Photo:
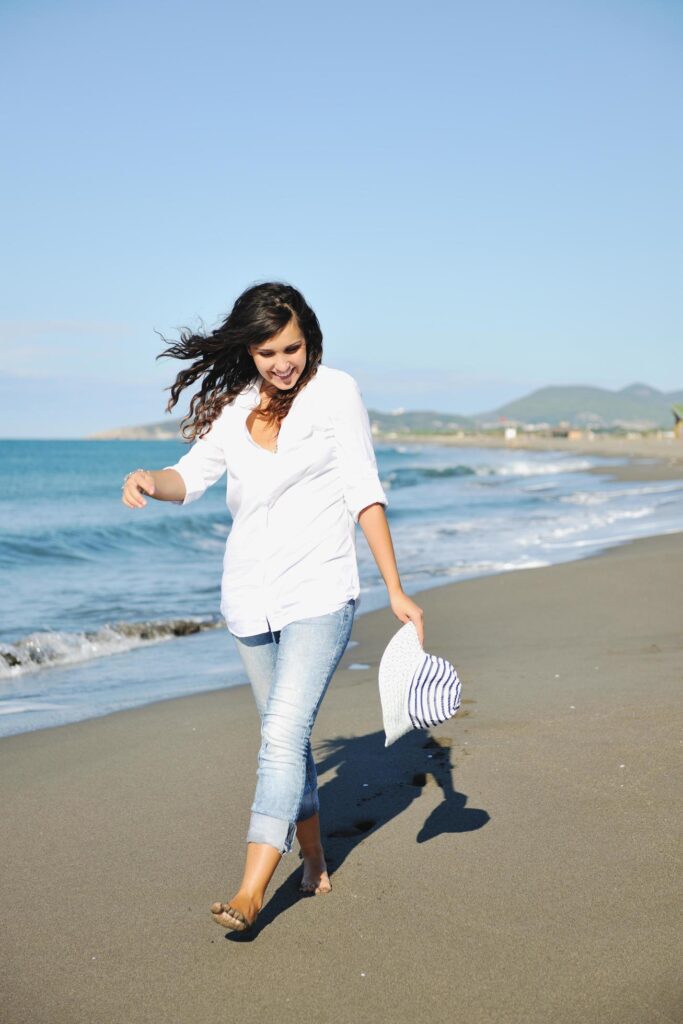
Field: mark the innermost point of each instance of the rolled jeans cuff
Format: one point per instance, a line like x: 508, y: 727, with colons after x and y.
x: 275, y: 831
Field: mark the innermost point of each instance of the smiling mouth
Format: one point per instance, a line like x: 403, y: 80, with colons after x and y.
x: 285, y: 377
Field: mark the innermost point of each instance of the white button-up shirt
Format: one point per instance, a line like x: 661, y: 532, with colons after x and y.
x: 291, y: 551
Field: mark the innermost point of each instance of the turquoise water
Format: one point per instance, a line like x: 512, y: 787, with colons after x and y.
x: 104, y: 607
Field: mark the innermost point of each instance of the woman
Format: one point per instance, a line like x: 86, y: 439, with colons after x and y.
x: 294, y: 436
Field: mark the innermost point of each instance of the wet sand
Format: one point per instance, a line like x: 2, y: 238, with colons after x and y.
x: 519, y: 864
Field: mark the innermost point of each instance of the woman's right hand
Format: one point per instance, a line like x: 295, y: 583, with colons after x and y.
x: 137, y: 483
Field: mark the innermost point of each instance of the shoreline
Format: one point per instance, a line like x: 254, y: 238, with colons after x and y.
x: 631, y: 470
x: 244, y: 686
x: 429, y: 593
x: 416, y: 595
x: 667, y: 454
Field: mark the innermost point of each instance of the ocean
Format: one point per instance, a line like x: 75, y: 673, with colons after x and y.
x: 103, y: 607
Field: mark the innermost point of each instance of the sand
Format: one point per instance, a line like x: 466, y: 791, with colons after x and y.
x: 520, y: 866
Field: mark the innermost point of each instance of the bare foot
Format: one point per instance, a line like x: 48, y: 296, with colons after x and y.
x: 248, y: 905
x: 315, y: 879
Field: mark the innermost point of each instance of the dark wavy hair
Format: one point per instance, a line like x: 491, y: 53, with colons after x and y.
x: 222, y: 359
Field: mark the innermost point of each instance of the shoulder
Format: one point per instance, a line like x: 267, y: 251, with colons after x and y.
x: 336, y: 384
x: 332, y: 376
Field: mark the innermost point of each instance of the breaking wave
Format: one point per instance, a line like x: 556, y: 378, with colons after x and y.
x: 50, y: 648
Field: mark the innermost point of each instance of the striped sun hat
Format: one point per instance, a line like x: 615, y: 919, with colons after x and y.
x: 416, y: 690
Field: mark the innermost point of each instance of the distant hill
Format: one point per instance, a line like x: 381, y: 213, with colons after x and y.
x: 165, y: 430
x: 637, y: 406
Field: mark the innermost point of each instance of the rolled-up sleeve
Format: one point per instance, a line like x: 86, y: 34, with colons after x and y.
x: 355, y: 451
x: 202, y: 465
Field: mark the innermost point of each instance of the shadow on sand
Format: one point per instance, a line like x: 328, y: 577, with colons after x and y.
x: 371, y: 786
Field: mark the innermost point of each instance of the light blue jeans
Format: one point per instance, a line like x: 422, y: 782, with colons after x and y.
x: 289, y: 671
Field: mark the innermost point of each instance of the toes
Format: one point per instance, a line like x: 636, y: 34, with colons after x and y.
x: 236, y: 914
x: 231, y: 917
x: 315, y: 887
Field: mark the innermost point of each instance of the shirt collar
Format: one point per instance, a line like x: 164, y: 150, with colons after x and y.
x: 249, y: 395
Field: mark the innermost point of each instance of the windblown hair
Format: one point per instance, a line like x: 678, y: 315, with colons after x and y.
x: 222, y: 358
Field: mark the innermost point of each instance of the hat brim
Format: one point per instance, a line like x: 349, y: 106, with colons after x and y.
x: 401, y: 658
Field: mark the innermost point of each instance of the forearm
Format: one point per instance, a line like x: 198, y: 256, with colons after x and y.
x: 161, y: 484
x: 373, y: 522
x: 168, y: 485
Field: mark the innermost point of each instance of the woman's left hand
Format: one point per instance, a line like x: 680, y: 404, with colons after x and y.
x: 405, y: 609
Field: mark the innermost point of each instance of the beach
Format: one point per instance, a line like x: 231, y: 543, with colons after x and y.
x: 516, y: 864
x: 645, y: 458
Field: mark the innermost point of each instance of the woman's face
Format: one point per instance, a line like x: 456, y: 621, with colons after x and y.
x: 281, y: 359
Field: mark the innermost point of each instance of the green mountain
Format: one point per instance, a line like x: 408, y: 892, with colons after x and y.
x: 637, y: 406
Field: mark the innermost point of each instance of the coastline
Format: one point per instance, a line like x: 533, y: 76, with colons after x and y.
x: 536, y: 835
x: 666, y: 455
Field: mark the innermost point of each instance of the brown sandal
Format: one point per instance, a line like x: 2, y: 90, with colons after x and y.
x: 239, y: 922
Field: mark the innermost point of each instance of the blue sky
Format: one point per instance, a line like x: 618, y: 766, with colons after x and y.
x: 476, y: 199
